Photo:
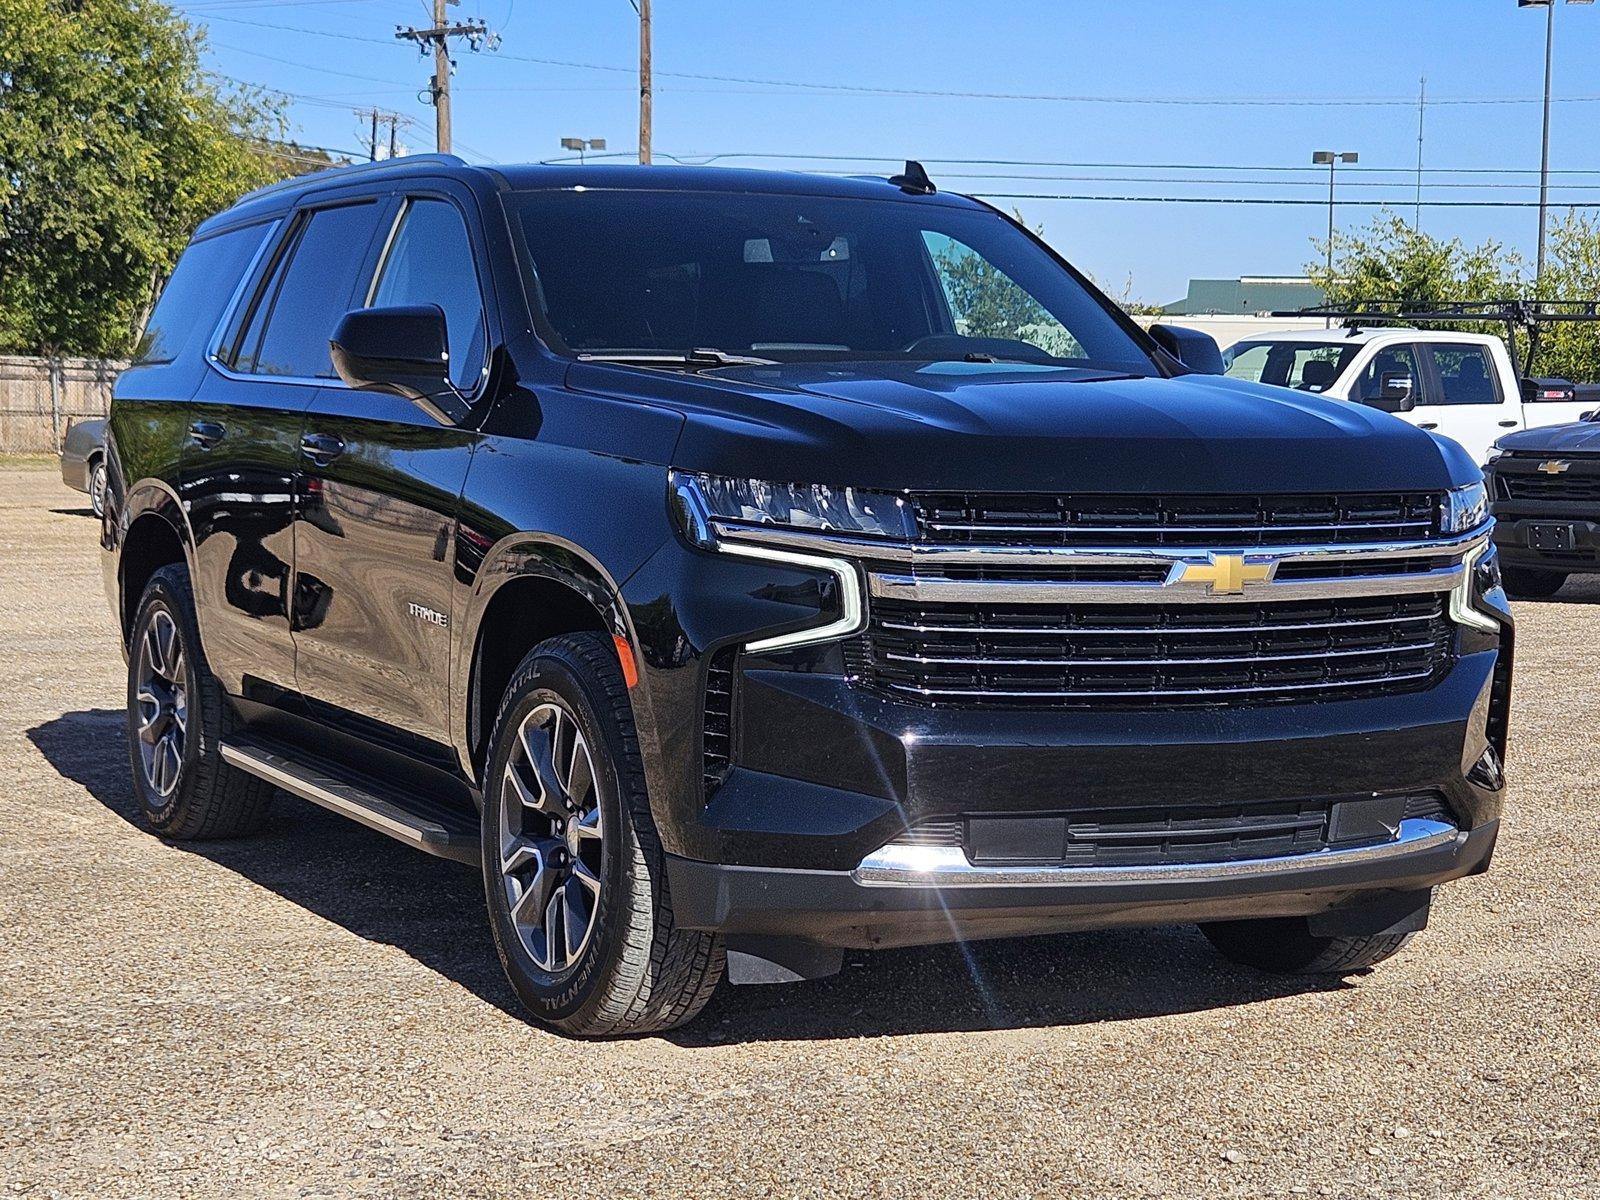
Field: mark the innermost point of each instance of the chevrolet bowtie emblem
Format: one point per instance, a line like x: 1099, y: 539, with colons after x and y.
x: 1555, y: 466
x: 1227, y: 574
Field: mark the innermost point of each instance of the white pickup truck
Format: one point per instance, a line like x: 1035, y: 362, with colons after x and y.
x: 1462, y: 385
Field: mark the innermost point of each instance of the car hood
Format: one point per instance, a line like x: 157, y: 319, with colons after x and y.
x: 1580, y: 437
x: 1009, y: 427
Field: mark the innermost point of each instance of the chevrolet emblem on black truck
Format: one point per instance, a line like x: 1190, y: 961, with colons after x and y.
x: 829, y: 567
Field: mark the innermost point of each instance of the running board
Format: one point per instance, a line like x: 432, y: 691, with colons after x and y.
x: 433, y: 828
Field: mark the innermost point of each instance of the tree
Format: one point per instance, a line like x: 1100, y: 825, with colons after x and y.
x: 114, y: 145
x: 1571, y: 350
x: 1390, y: 260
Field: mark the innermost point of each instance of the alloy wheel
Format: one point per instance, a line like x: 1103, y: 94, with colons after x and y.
x: 163, y: 702
x: 551, y: 835
x: 97, y: 489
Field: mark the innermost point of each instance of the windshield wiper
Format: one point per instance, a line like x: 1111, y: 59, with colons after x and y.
x: 699, y: 358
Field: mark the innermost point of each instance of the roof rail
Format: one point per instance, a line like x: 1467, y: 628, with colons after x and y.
x: 366, y: 168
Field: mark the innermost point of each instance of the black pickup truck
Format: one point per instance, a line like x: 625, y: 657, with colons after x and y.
x: 741, y: 568
x: 1544, y: 490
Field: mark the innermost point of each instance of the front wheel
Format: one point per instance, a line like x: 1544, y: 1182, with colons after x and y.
x: 1532, y: 583
x: 573, y: 869
x: 1286, y: 946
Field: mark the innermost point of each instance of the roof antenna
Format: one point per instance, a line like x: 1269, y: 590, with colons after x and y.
x: 914, y: 179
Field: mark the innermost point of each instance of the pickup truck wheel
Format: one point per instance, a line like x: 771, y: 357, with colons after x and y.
x: 1531, y: 582
x: 573, y: 869
x: 1286, y: 946
x: 177, y: 716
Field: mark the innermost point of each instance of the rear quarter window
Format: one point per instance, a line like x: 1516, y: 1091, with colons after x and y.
x: 198, y: 290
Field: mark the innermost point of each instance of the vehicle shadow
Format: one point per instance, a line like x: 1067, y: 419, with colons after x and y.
x: 73, y: 512
x: 432, y: 910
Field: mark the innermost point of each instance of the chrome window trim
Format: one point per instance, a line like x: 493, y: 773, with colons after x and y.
x: 900, y: 866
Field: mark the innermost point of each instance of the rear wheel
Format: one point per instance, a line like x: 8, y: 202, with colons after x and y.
x: 1286, y: 946
x: 177, y: 716
x: 573, y: 870
x: 1531, y: 582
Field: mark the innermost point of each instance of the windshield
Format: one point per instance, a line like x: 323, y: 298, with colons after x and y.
x: 1305, y: 366
x: 802, y: 278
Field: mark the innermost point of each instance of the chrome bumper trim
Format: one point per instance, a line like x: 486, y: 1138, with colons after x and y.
x: 947, y: 866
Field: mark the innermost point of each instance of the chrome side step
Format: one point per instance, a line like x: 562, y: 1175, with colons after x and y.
x: 435, y: 829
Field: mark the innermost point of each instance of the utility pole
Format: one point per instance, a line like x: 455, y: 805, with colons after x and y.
x: 644, y: 82
x: 1544, y: 149
x: 1422, y: 108
x: 438, y: 40
x: 377, y: 117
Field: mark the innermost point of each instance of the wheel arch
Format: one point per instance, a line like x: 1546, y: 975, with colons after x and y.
x: 530, y: 588
x: 155, y: 534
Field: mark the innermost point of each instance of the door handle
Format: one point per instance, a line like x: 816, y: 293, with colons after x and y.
x: 1428, y: 425
x: 321, y: 448
x: 1508, y: 424
x: 206, y: 434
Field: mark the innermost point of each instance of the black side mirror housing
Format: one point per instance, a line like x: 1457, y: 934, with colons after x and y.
x: 404, y: 351
x: 1196, y: 350
x: 1396, y: 392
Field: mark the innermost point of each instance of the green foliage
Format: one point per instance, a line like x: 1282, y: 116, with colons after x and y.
x: 1572, y: 272
x: 1389, y: 260
x: 114, y: 145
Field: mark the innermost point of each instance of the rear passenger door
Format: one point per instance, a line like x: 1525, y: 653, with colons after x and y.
x: 375, y: 543
x: 242, y: 464
x: 1464, y: 399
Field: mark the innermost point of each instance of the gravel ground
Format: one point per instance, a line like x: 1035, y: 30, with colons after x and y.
x: 317, y: 1011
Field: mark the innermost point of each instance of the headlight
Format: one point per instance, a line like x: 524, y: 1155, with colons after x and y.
x: 1465, y: 508
x: 1495, y: 451
x: 816, y: 507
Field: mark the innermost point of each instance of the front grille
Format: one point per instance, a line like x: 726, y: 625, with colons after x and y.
x: 1579, y: 485
x: 975, y: 518
x: 1154, y: 835
x: 1152, y: 655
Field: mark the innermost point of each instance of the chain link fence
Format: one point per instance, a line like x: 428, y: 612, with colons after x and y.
x: 41, y: 397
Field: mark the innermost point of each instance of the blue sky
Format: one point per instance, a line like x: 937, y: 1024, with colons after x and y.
x: 1288, y: 52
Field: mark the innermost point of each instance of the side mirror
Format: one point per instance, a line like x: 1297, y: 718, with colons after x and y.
x: 1196, y: 350
x: 1396, y: 392
x: 403, y: 351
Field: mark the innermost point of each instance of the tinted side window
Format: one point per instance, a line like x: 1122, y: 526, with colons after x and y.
x: 1392, y: 360
x: 1466, y: 376
x: 308, y: 295
x: 201, y: 284
x: 431, y: 263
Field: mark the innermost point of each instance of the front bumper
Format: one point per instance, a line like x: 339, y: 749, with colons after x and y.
x: 881, y: 905
x: 1515, y: 539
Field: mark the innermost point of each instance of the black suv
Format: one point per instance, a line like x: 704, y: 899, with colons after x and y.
x: 1544, y: 490
x: 746, y: 567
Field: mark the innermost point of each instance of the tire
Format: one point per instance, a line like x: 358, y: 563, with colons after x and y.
x: 616, y: 964
x: 177, y: 717
x: 1532, y: 583
x: 97, y: 486
x: 1286, y: 946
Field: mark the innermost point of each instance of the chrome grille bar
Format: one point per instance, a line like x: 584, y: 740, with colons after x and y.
x: 938, y: 660
x: 1136, y: 630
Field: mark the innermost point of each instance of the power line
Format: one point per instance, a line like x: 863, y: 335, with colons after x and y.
x: 951, y: 94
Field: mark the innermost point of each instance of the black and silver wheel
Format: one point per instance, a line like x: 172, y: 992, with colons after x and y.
x: 552, y: 835
x: 177, y: 716
x: 1286, y: 946
x: 1531, y: 583
x: 573, y: 869
x: 97, y: 486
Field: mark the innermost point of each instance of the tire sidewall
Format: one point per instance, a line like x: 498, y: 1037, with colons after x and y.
x: 551, y: 677
x: 97, y: 487
x: 161, y: 596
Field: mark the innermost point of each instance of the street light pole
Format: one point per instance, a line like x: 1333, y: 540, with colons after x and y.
x: 1331, y: 159
x: 1544, y: 145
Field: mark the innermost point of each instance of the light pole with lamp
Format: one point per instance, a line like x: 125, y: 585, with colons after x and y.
x: 583, y: 144
x: 1331, y: 159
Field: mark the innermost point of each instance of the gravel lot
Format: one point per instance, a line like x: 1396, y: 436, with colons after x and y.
x: 317, y: 1011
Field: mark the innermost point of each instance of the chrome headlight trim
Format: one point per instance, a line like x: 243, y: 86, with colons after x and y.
x: 1462, y: 610
x: 853, y: 611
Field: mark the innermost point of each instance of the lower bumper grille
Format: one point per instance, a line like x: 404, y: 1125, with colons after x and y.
x: 1153, y: 655
x: 1156, y: 835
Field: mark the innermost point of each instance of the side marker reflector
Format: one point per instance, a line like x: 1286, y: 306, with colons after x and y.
x: 630, y: 669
